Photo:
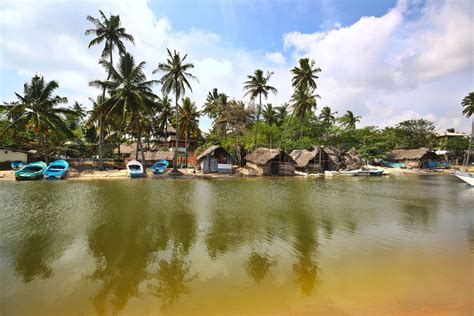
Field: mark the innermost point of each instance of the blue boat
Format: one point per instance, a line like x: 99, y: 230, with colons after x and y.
x: 135, y: 169
x: 56, y: 170
x: 17, y: 165
x: 160, y: 166
x: 392, y: 164
x: 32, y: 171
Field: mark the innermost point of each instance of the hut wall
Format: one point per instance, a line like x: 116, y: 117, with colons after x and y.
x: 209, y: 164
x: 284, y: 168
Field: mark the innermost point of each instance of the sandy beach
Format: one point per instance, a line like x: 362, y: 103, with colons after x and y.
x: 9, y: 175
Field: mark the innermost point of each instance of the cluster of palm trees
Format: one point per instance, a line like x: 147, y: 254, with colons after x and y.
x: 130, y: 93
x: 127, y: 105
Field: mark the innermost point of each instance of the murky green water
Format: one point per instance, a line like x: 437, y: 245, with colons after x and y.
x: 353, y: 246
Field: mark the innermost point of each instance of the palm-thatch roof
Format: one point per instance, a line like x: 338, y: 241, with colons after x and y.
x: 303, y: 157
x: 410, y: 154
x: 352, y: 160
x: 155, y: 155
x: 261, y: 156
x: 209, y: 151
x: 126, y: 149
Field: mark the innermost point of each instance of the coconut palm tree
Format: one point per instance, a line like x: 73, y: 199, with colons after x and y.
x: 303, y: 105
x: 282, y: 113
x: 216, y: 107
x: 108, y: 30
x: 270, y: 114
x: 189, y: 121
x: 304, y: 76
x: 165, y: 114
x: 327, y: 116
x: 468, y: 105
x: 349, y: 120
x: 257, y: 85
x: 176, y: 79
x: 130, y: 94
x: 37, y: 110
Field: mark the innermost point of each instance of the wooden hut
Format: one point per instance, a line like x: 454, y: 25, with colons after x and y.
x: 351, y: 160
x: 270, y: 162
x: 327, y: 157
x: 307, y: 161
x: 214, y: 159
x: 415, y: 158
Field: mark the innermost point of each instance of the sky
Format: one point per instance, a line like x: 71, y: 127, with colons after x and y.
x: 385, y: 60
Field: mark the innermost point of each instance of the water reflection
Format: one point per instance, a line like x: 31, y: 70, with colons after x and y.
x: 181, y: 244
x: 258, y: 266
x: 305, y: 246
x: 123, y: 244
x: 39, y: 240
x: 172, y: 279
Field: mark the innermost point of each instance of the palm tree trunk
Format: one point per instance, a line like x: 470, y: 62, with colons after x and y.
x: 286, y: 129
x: 186, y: 153
x: 46, y: 151
x: 470, y: 144
x: 175, y: 156
x: 258, y: 120
x: 139, y: 142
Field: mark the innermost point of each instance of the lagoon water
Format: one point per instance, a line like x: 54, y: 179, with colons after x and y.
x: 350, y: 246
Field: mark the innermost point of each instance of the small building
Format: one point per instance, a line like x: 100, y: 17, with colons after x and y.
x: 415, y: 158
x: 328, y: 157
x: 307, y: 161
x: 171, y: 141
x: 214, y: 159
x: 270, y: 162
x: 8, y: 155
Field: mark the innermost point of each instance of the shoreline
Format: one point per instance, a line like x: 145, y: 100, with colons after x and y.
x: 8, y: 175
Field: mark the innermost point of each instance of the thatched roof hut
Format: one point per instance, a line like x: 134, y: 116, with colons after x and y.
x: 214, y: 159
x: 351, y: 160
x: 417, y: 158
x: 307, y: 160
x: 271, y: 162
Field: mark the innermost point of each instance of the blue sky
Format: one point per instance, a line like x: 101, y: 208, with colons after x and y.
x: 259, y: 25
x: 387, y: 61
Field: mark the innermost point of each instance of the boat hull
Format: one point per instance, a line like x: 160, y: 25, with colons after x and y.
x: 135, y: 169
x: 32, y: 171
x: 466, y: 177
x: 56, y: 170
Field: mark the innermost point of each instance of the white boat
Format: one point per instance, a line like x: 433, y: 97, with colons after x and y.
x: 135, y: 169
x: 465, y: 176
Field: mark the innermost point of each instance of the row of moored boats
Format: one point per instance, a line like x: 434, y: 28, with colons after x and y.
x: 58, y: 169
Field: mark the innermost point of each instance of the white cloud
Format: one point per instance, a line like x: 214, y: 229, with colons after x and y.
x: 407, y: 63
x: 276, y: 58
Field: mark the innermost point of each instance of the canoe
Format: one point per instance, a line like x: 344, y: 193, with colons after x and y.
x: 392, y: 164
x: 17, y: 165
x: 56, y: 170
x: 365, y: 172
x: 135, y: 169
x: 160, y: 166
x: 465, y: 176
x: 32, y: 171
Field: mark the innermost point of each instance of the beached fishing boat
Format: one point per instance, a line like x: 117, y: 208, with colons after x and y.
x: 17, y: 165
x: 56, y: 170
x: 135, y: 169
x: 160, y: 166
x: 32, y: 171
x: 392, y: 164
x: 465, y: 176
x: 365, y: 172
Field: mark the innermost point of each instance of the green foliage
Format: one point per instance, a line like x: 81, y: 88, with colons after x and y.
x: 415, y: 134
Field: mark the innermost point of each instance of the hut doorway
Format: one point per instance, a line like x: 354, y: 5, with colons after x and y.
x: 274, y: 168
